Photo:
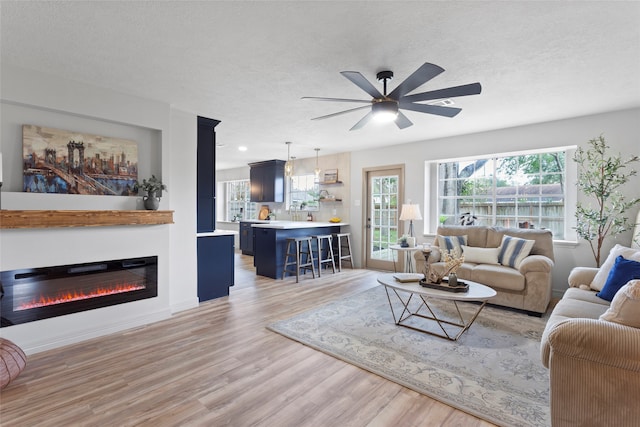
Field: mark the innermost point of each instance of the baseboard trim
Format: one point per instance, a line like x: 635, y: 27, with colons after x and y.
x: 97, y: 332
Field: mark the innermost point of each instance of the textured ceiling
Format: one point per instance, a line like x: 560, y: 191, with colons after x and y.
x: 249, y: 63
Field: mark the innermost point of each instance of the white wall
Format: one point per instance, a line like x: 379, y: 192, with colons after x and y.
x: 166, y: 143
x: 621, y: 130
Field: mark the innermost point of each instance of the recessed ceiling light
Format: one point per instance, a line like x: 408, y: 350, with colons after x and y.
x: 242, y: 148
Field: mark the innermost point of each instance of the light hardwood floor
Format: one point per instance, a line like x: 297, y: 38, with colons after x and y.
x: 218, y: 365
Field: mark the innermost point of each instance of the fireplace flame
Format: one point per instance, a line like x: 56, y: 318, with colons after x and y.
x: 45, y: 301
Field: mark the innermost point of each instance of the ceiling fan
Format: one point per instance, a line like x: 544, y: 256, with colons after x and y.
x: 385, y: 107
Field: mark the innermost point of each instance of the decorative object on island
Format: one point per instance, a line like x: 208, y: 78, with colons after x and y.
x: 288, y: 166
x: 600, y: 176
x: 409, y: 213
x: 12, y: 361
x: 153, y: 187
x: 60, y: 161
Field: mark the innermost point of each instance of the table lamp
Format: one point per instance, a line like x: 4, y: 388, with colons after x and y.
x: 410, y: 212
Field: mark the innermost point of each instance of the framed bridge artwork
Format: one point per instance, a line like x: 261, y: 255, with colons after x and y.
x: 61, y: 161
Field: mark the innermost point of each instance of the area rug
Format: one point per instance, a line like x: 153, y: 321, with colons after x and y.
x: 493, y: 371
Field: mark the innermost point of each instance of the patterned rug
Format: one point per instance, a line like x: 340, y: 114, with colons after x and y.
x: 493, y: 371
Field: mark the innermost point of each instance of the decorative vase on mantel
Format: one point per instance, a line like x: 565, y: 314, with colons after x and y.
x: 151, y: 201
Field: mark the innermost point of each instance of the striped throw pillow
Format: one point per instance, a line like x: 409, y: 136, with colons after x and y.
x: 452, y: 243
x: 513, y: 250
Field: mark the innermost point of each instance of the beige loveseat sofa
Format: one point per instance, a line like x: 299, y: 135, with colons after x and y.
x: 527, y: 287
x: 594, y: 364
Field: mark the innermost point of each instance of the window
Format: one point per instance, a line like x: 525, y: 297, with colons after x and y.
x: 303, y: 193
x: 517, y: 191
x: 237, y: 201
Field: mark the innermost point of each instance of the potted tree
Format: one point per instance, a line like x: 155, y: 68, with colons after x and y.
x: 600, y: 177
x: 153, y: 187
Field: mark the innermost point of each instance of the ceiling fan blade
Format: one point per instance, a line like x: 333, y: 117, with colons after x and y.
x: 402, y: 121
x: 340, y: 112
x: 363, y: 121
x: 316, y: 98
x: 364, y: 84
x: 430, y: 109
x: 450, y: 92
x: 419, y: 77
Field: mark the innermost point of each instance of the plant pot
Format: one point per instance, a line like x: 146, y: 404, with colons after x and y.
x: 151, y: 202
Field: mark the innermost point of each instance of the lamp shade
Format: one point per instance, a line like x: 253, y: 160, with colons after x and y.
x: 410, y: 212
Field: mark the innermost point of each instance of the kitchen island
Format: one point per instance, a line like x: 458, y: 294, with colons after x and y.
x: 271, y: 242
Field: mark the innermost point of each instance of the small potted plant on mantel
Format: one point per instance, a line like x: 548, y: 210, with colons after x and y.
x: 153, y: 187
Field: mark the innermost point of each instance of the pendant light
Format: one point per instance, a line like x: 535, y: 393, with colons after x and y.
x: 288, y: 166
x: 316, y: 171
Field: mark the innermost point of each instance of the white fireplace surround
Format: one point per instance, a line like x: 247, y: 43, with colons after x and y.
x: 35, y: 98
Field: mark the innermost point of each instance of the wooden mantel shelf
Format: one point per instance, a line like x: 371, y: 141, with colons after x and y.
x: 81, y: 218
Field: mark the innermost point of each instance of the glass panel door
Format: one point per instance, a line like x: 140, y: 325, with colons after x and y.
x: 383, y: 211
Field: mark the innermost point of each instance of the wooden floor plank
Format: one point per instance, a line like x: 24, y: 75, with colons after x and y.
x: 218, y: 365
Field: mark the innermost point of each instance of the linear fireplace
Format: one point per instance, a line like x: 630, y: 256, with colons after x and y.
x: 39, y: 293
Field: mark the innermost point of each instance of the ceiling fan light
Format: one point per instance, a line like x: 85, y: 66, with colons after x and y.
x: 385, y: 111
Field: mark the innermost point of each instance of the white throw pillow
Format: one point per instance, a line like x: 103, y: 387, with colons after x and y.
x: 601, y: 276
x: 480, y: 255
x: 513, y: 250
x: 625, y: 306
x: 452, y: 243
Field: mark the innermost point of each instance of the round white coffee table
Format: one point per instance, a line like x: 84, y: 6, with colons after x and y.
x: 406, y: 291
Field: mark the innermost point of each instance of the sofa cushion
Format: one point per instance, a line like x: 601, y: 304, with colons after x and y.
x: 452, y: 243
x: 480, y: 255
x: 576, y: 308
x: 601, y: 276
x: 498, y: 276
x: 513, y: 250
x: 625, y: 307
x: 584, y: 295
x: 623, y: 271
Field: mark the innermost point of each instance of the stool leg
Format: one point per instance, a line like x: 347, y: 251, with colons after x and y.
x: 319, y: 246
x: 298, y: 261
x: 350, y: 253
x: 313, y: 265
x: 287, y: 256
x: 339, y: 248
x: 330, y: 254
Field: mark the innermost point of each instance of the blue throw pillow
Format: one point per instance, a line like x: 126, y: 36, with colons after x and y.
x: 623, y: 270
x: 452, y: 243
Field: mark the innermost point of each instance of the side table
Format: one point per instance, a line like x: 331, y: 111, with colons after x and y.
x: 408, y: 253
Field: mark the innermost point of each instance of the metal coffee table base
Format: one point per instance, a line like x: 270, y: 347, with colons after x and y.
x: 407, y: 314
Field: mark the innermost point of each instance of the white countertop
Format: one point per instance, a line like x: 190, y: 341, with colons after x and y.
x: 217, y: 233
x: 286, y: 225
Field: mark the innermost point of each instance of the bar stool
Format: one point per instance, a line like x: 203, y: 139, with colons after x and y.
x: 322, y: 249
x: 296, y: 248
x: 344, y: 248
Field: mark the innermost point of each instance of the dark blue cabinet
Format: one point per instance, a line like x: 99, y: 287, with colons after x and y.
x: 267, y: 181
x: 246, y: 237
x: 215, y: 266
x: 206, y: 172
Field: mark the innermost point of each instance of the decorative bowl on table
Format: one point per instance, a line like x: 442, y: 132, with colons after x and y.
x: 335, y: 219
